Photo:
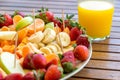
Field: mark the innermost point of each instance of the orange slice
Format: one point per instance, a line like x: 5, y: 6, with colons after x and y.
x: 16, y: 19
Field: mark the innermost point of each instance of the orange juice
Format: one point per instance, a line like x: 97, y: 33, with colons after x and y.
x: 96, y: 17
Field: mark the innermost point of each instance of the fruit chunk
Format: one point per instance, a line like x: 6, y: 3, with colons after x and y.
x: 49, y: 35
x: 37, y: 37
x: 83, y: 40
x: 14, y: 76
x: 7, y: 35
x: 29, y: 76
x: 53, y: 73
x: 39, y: 25
x: 27, y: 61
x: 23, y: 23
x: 74, y: 33
x: 5, y: 20
x: 68, y: 61
x: 17, y: 18
x: 65, y: 39
x: 81, y: 52
x: 39, y: 61
x: 50, y: 25
x: 7, y: 63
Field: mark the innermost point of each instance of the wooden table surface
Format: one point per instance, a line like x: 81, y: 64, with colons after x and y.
x: 105, y: 61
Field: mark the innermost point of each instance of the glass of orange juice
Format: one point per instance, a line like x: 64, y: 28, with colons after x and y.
x: 96, y: 17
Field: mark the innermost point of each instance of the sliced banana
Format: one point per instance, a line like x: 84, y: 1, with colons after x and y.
x: 52, y: 48
x: 68, y: 48
x: 41, y: 44
x: 50, y: 35
x: 37, y: 37
x: 46, y: 50
x: 64, y: 37
x: 56, y: 45
x: 35, y: 45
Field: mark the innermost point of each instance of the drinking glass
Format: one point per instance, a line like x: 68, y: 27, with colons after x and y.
x: 96, y: 17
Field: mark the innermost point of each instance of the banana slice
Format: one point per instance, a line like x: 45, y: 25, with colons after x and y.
x: 52, y: 48
x: 36, y: 45
x: 64, y: 37
x: 46, y: 50
x: 7, y: 35
x: 68, y: 48
x: 37, y: 37
x: 41, y: 44
x: 56, y: 45
x: 50, y: 35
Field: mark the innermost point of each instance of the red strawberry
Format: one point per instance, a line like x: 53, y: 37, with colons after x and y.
x: 14, y: 76
x: 83, y: 40
x: 68, y: 61
x: 1, y: 76
x: 39, y: 61
x: 81, y: 52
x: 49, y: 15
x: 68, y: 57
x: 74, y: 33
x: 6, y: 20
x: 29, y: 76
x: 53, y: 73
x: 27, y: 61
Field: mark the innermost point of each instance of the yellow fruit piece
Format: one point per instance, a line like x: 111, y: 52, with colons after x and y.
x: 46, y: 50
x: 52, y: 56
x: 17, y: 18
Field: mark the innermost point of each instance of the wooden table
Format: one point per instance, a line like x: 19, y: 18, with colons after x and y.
x: 105, y: 61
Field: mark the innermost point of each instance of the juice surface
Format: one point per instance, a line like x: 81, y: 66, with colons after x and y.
x: 96, y: 17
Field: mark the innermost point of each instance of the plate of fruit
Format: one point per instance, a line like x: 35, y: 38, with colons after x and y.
x: 42, y: 46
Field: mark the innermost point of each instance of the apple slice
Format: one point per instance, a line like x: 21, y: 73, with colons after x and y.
x: 23, y: 23
x: 7, y: 63
x: 7, y: 35
x: 50, y: 25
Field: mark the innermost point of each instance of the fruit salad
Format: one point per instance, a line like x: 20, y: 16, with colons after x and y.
x: 40, y: 47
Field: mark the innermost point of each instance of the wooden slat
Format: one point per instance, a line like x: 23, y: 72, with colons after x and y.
x: 108, y: 65
x: 106, y: 48
x: 110, y: 41
x: 99, y: 74
x: 79, y: 79
x: 105, y: 56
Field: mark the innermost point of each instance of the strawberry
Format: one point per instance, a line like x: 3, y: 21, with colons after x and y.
x: 81, y: 52
x: 5, y: 20
x: 53, y: 73
x: 68, y: 61
x: 38, y: 61
x: 68, y: 57
x: 27, y: 61
x: 1, y: 76
x: 74, y: 33
x: 83, y: 40
x: 14, y: 76
x: 29, y: 76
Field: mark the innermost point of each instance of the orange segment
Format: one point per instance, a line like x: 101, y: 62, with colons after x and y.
x: 26, y: 50
x: 67, y: 30
x: 57, y: 29
x: 4, y: 28
x: 39, y: 25
x: 52, y: 56
x: 22, y: 34
x: 17, y: 18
